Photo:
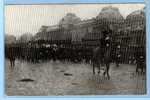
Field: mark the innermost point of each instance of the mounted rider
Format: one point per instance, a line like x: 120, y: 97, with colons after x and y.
x: 105, y: 41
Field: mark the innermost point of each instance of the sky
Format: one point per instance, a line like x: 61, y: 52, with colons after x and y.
x: 20, y: 19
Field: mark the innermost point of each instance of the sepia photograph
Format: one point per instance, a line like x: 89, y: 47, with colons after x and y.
x: 75, y: 49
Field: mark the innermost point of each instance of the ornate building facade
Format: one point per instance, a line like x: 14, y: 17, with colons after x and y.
x: 71, y: 29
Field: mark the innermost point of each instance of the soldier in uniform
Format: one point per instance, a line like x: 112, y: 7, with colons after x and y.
x: 140, y: 60
x: 12, y: 55
x: 105, y: 42
x: 118, y: 55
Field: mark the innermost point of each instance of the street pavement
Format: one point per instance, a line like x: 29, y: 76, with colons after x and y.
x: 64, y: 78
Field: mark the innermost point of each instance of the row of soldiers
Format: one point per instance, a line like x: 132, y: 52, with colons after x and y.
x: 71, y: 53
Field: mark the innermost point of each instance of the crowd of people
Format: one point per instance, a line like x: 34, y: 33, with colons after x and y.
x: 35, y: 53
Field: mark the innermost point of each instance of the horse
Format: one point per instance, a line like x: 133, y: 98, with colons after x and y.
x: 102, y: 56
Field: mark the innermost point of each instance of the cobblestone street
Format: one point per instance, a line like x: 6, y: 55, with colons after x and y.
x: 57, y: 78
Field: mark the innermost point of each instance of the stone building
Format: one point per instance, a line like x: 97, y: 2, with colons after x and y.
x: 108, y: 19
x: 59, y: 33
x: 136, y: 27
x: 71, y: 29
x: 132, y: 36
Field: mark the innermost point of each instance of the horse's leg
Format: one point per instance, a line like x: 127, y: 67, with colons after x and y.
x: 13, y: 64
x: 99, y: 68
x: 117, y: 63
x: 104, y: 72
x: 142, y: 71
x: 10, y: 63
x: 107, y: 70
x: 93, y: 68
x: 137, y: 67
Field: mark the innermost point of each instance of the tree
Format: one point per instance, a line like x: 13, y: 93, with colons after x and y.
x: 9, y: 39
x: 24, y: 38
